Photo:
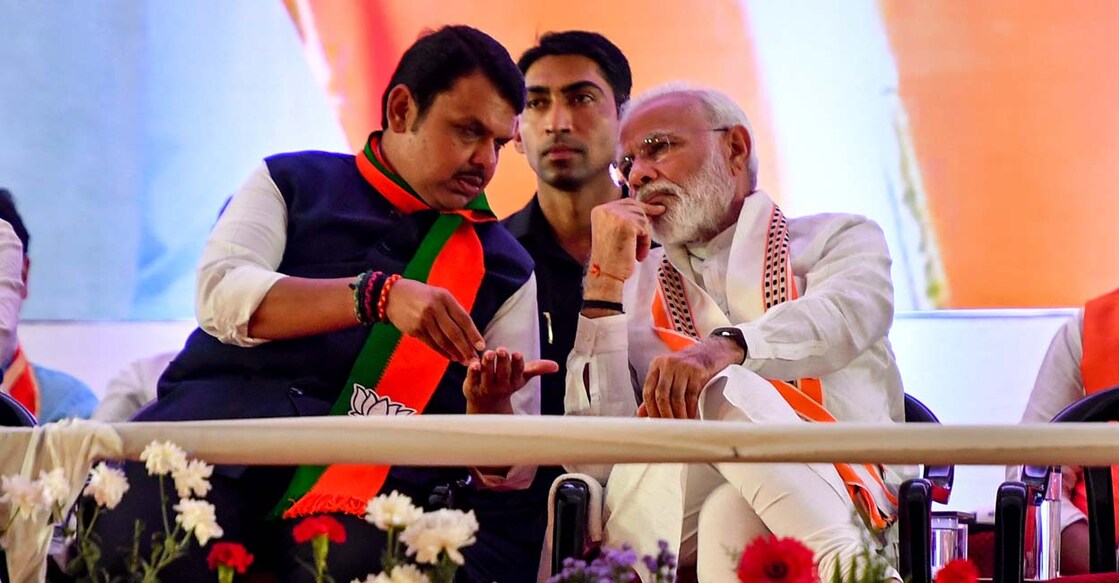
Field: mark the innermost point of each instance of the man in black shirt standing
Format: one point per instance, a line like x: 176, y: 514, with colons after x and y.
x: 577, y: 83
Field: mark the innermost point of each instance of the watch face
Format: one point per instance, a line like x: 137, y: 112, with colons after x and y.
x: 734, y: 334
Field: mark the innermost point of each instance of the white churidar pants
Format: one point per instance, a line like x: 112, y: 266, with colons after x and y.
x: 711, y: 512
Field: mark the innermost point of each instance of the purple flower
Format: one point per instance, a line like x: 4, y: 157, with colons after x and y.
x: 617, y: 566
x: 662, y: 566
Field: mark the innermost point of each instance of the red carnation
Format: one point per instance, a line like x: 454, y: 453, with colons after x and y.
x: 231, y: 555
x: 773, y: 560
x: 958, y: 571
x: 314, y: 526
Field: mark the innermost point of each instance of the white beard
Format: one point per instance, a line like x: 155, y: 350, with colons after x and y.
x: 700, y: 203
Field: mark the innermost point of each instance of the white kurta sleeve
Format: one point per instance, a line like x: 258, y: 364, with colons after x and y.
x: 239, y: 261
x: 515, y: 327
x: 1058, y: 382
x: 846, y: 306
x: 11, y: 290
x: 1057, y: 386
x: 598, y: 377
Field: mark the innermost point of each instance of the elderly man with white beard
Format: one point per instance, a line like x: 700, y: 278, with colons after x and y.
x: 741, y: 315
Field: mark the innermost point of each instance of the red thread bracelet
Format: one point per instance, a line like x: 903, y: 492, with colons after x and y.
x: 596, y: 271
x: 383, y: 301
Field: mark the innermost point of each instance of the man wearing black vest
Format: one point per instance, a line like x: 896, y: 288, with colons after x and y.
x: 319, y: 252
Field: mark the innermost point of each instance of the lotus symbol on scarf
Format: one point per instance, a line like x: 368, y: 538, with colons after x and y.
x: 366, y: 402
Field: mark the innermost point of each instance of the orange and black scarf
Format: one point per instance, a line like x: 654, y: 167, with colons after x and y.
x: 674, y: 325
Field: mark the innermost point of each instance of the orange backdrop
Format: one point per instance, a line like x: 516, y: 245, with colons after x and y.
x: 363, y: 40
x: 1010, y: 107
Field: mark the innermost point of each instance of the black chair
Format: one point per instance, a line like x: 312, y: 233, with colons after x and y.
x: 571, y: 508
x: 1099, y: 407
x: 1011, y: 505
x: 915, y: 498
x: 571, y: 504
x: 14, y: 414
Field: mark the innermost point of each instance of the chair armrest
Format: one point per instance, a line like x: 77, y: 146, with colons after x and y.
x: 1101, y: 518
x: 1010, y: 532
x: 575, y: 517
x: 941, y: 479
x: 915, y: 530
x: 1099, y: 406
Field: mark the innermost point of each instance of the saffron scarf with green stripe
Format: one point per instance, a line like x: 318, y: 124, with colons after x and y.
x: 394, y: 374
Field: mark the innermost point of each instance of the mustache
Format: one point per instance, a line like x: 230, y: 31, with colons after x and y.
x: 561, y: 141
x: 646, y: 191
x: 478, y: 173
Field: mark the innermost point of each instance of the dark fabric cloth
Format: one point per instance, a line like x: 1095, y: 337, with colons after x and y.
x: 559, y: 296
x: 338, y: 226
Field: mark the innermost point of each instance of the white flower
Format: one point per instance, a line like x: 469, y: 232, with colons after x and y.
x: 24, y: 495
x: 55, y: 485
x: 107, y: 485
x: 392, y: 511
x: 193, y: 477
x: 198, y: 516
x: 378, y: 578
x: 408, y: 574
x: 162, y: 458
x: 400, y: 574
x: 439, y: 531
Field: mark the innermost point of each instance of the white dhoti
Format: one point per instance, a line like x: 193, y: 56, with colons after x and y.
x: 709, y: 513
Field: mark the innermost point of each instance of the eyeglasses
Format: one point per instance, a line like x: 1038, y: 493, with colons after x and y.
x: 656, y: 147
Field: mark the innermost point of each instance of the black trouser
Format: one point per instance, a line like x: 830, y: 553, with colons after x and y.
x: 507, y: 549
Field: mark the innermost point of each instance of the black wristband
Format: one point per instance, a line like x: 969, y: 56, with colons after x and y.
x: 735, y: 335
x: 603, y: 305
x: 358, y: 286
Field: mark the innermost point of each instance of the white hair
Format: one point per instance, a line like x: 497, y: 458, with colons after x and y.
x: 720, y: 109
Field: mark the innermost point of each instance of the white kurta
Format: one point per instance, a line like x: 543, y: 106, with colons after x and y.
x: 835, y: 331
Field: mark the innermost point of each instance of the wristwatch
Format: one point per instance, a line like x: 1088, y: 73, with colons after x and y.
x: 734, y: 334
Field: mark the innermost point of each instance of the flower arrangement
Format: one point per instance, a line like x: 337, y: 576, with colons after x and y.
x: 228, y: 558
x: 765, y: 560
x: 194, y: 518
x: 784, y: 560
x: 28, y: 499
x: 787, y: 560
x: 320, y: 531
x: 421, y: 546
x: 618, y: 566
